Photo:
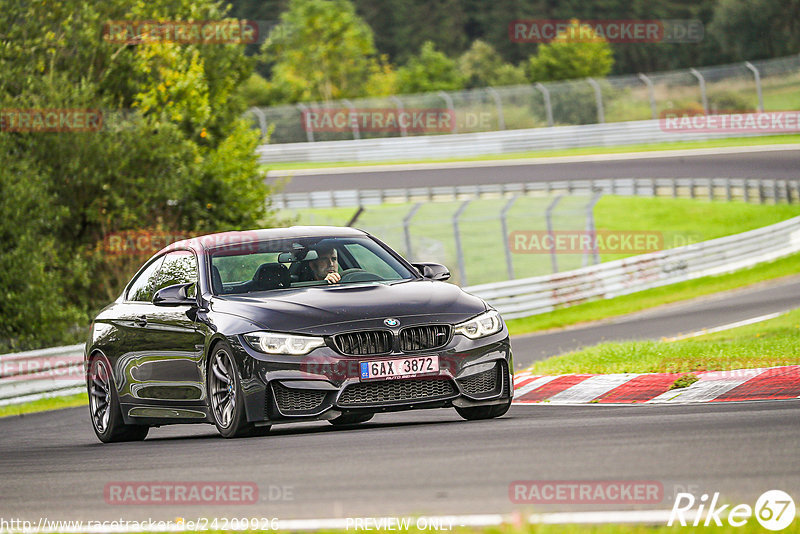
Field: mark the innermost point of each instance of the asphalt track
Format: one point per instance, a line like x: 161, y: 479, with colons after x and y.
x: 431, y: 462
x: 755, y: 162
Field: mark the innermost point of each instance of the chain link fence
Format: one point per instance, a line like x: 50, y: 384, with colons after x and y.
x: 767, y: 85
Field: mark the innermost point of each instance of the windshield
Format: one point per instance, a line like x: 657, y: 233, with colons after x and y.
x: 288, y: 263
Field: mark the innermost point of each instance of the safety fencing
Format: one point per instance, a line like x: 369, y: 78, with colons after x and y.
x: 746, y: 189
x: 531, y: 296
x: 37, y: 374
x: 739, y: 87
x: 489, y: 143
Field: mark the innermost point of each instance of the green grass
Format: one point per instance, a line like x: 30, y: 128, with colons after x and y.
x: 766, y: 344
x: 680, y: 221
x: 649, y: 298
x: 676, y: 145
x: 44, y: 405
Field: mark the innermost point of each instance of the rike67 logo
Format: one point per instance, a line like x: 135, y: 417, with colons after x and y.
x: 774, y: 510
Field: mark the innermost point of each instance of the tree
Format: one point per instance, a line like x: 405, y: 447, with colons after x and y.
x: 576, y: 52
x: 320, y: 51
x: 173, y: 152
x: 431, y: 70
x: 756, y: 29
x: 482, y: 66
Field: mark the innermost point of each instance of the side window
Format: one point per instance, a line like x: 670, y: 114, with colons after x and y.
x: 144, y: 285
x: 179, y: 267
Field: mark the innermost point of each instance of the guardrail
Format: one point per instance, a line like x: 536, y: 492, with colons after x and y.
x: 36, y: 374
x: 59, y: 370
x: 749, y: 190
x: 531, y: 296
x: 484, y: 143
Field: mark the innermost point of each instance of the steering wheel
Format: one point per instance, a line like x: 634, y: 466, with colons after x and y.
x: 359, y: 275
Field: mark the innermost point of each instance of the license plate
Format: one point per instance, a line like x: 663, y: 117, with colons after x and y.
x: 399, y: 368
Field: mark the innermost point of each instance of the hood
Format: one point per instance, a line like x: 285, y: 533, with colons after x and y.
x: 329, y: 309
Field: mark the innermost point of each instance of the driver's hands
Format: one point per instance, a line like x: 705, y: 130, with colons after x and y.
x: 333, y: 278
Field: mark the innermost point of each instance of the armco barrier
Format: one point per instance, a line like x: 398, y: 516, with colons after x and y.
x: 530, y: 296
x: 746, y: 189
x: 59, y: 370
x: 40, y: 373
x: 483, y: 143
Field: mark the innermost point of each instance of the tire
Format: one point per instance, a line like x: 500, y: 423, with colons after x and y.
x: 225, y: 399
x: 483, y: 412
x: 351, y: 419
x: 104, y: 409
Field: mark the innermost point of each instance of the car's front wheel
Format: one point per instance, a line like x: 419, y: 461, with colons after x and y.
x: 225, y: 394
x: 104, y: 406
x: 483, y: 412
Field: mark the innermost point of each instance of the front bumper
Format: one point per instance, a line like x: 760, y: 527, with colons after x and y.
x: 325, y: 384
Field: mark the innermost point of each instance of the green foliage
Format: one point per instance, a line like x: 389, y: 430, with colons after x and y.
x: 431, y: 70
x: 173, y: 153
x: 482, y: 66
x: 728, y: 101
x: 575, y: 53
x: 684, y: 381
x: 320, y: 51
x: 750, y: 29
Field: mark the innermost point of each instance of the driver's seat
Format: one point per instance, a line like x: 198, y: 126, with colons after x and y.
x: 271, y: 276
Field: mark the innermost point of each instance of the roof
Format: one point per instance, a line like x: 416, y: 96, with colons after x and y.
x: 211, y: 241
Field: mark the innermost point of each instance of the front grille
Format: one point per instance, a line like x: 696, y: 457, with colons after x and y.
x: 481, y: 383
x: 389, y: 391
x: 364, y: 343
x: 297, y: 400
x: 424, y: 337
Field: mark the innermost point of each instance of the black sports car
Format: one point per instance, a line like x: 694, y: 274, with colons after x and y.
x: 247, y: 329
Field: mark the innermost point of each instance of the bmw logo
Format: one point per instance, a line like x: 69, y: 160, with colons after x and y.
x: 391, y: 322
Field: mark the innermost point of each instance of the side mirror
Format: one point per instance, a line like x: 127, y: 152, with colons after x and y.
x: 433, y: 271
x: 176, y: 295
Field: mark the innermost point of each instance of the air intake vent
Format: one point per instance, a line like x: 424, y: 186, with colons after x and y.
x: 364, y: 343
x: 482, y: 383
x: 297, y: 400
x: 392, y: 391
x: 427, y: 337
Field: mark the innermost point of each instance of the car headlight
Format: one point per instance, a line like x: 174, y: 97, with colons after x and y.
x: 273, y: 343
x: 481, y: 326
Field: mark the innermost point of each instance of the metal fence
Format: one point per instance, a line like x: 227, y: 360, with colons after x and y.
x: 36, y: 374
x: 434, y: 223
x: 750, y: 86
x: 746, y: 189
x: 473, y: 237
x: 522, y: 298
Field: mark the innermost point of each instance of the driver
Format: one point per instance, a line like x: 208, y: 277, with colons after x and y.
x: 326, y: 266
